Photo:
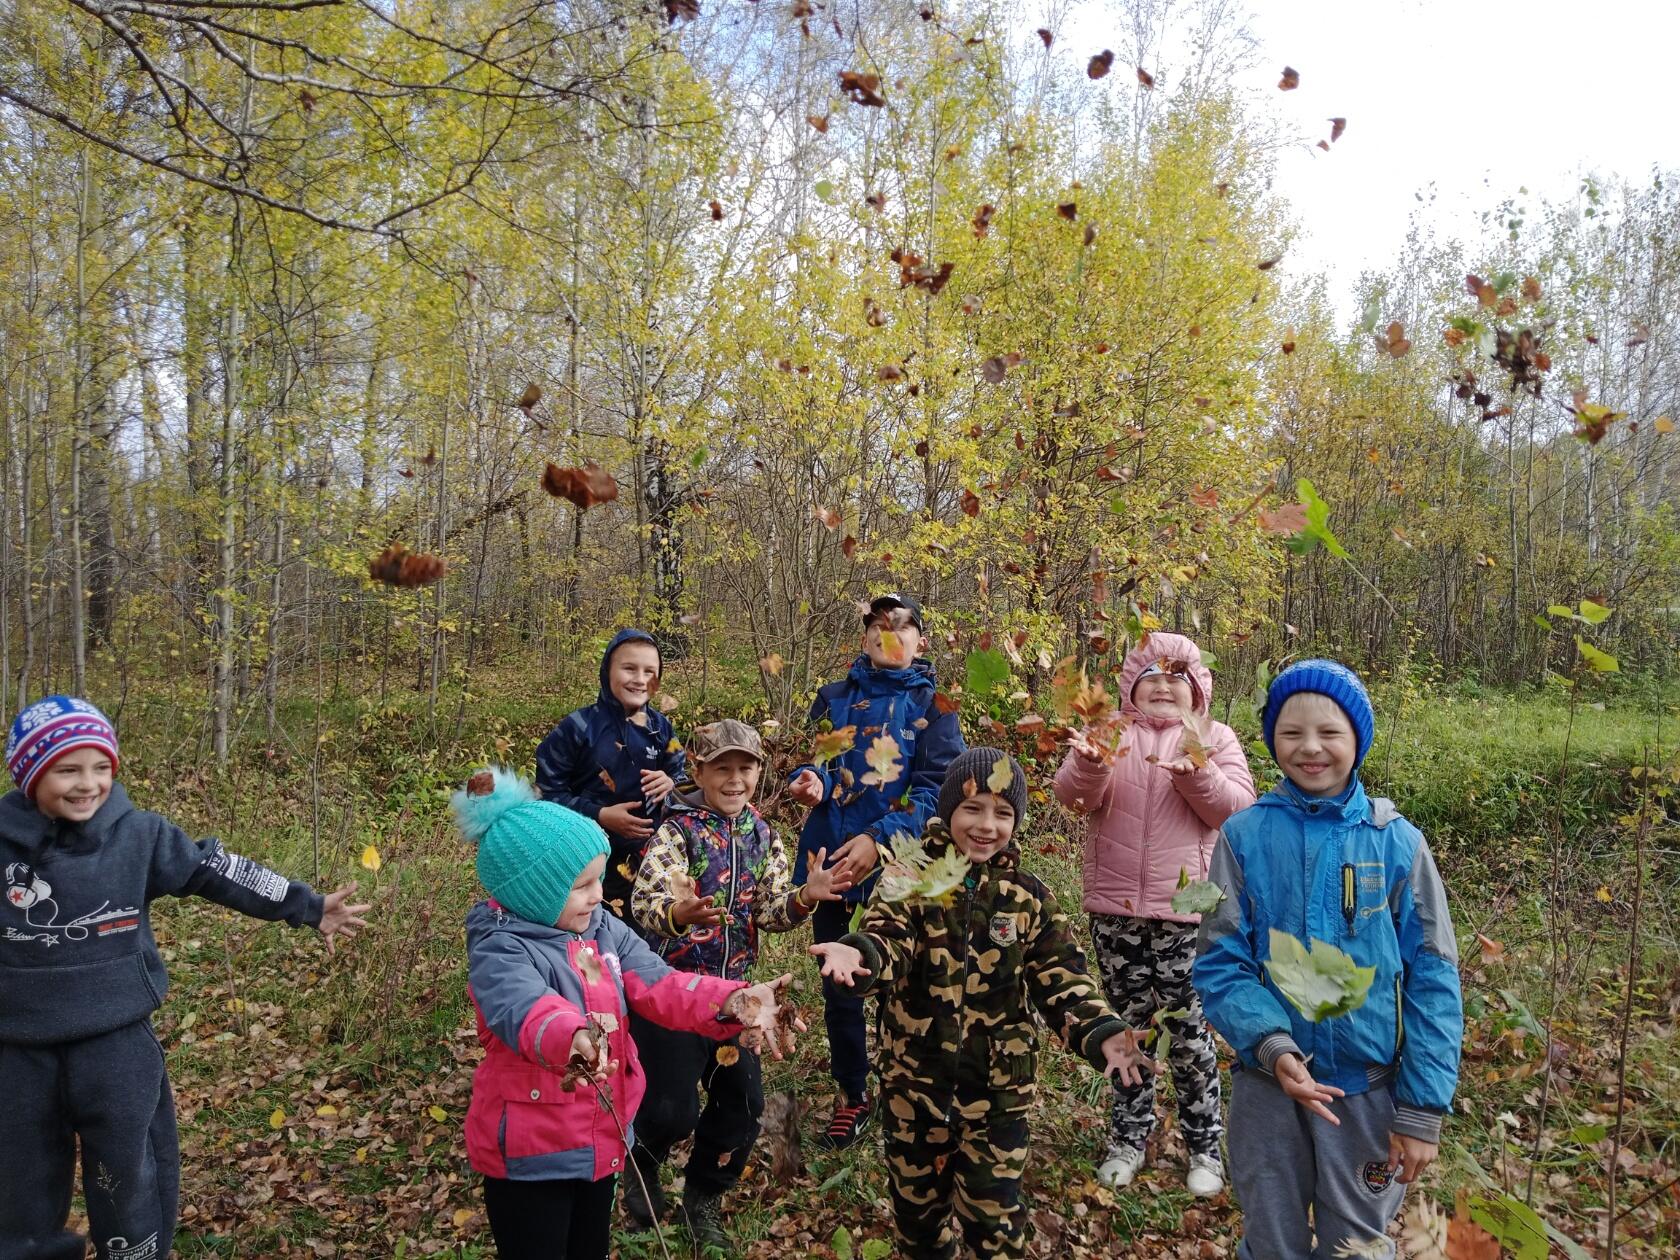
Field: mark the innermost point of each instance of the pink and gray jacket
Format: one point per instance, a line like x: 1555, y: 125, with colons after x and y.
x: 533, y: 988
x: 1148, y: 826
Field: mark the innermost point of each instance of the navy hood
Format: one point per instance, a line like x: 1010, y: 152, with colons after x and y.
x: 606, y: 696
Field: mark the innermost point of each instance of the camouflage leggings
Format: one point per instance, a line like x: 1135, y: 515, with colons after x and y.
x: 1145, y: 967
x: 967, y: 1154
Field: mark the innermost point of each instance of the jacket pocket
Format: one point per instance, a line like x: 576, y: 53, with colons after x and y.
x: 1012, y: 1067
x: 549, y: 1121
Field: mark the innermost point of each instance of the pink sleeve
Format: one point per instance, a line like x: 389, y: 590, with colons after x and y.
x: 1081, y: 784
x: 683, y: 1001
x: 545, y: 1037
x: 1222, y: 787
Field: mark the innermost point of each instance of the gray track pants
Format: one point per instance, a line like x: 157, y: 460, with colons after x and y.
x: 1285, y: 1160
x: 112, y: 1092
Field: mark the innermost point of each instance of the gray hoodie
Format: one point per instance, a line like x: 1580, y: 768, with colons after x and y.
x: 77, y: 956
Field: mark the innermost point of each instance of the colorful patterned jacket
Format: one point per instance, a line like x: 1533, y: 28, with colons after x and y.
x: 739, y: 863
x: 959, y: 983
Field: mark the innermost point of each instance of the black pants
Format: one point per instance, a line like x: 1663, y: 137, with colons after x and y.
x: 110, y: 1091
x: 550, y: 1220
x: 677, y: 1065
x: 843, y: 1009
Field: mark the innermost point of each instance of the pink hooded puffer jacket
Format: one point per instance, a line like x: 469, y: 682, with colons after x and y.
x: 1147, y: 823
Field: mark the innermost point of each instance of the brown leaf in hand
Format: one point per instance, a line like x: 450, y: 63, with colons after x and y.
x: 398, y: 566
x: 585, y: 486
x: 1100, y: 64
x: 1291, y: 79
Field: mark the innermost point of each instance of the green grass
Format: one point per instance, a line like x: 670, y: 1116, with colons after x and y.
x: 382, y: 1034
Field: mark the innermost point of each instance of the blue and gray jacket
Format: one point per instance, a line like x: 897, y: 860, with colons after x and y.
x: 897, y: 702
x: 598, y: 743
x: 77, y: 956
x: 1352, y: 872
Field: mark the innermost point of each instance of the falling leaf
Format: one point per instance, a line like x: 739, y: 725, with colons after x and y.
x: 876, y: 201
x: 882, y: 757
x: 1337, y: 127
x: 889, y: 372
x: 1484, y: 293
x: 1641, y: 334
x: 586, y: 486
x: 1291, y: 79
x: 828, y: 516
x: 848, y: 546
x: 1196, y: 896
x: 1593, y: 420
x: 970, y: 503
x: 1090, y: 234
x: 1045, y: 34
x: 1321, y: 981
x: 1393, y: 340
x: 1002, y: 776
x: 982, y: 221
x: 771, y: 664
x: 1069, y: 210
x: 862, y: 89
x: 1325, y: 145
x: 1145, y: 78
x: 607, y: 779
x: 1289, y: 342
x: 1266, y: 264
x: 397, y: 566
x: 819, y: 121
x: 1100, y: 64
x: 1530, y: 289
x: 370, y: 859
x: 530, y: 398
x: 717, y: 210
x: 830, y: 744
x: 914, y: 875
x: 1663, y: 424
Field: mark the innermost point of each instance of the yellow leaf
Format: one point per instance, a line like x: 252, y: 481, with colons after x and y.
x: 1002, y: 776
x: 277, y: 1119
x: 437, y: 1113
x: 326, y: 1109
x: 361, y: 1154
x: 370, y: 858
x: 1603, y: 894
x: 728, y: 1056
x: 462, y: 1216
x: 1663, y: 425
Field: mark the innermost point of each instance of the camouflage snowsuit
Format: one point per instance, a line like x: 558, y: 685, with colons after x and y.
x: 958, y: 986
x: 1145, y: 965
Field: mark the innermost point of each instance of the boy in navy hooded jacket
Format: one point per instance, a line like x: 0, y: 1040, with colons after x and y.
x: 889, y: 690
x: 616, y: 760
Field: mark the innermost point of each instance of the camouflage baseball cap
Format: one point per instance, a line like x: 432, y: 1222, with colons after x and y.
x: 729, y: 735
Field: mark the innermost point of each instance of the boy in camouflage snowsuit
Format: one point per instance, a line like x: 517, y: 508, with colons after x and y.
x: 958, y: 984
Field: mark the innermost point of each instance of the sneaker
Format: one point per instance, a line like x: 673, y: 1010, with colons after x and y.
x: 644, y: 1208
x: 847, y: 1124
x: 1121, y: 1167
x: 1206, y: 1177
x: 704, y: 1215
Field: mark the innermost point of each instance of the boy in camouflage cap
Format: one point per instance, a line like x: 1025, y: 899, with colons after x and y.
x: 959, y: 981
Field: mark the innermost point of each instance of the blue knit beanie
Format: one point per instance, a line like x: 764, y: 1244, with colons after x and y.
x: 1327, y: 678
x: 48, y: 729
x: 530, y: 851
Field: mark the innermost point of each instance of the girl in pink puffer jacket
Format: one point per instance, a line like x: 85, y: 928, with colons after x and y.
x: 1155, y: 814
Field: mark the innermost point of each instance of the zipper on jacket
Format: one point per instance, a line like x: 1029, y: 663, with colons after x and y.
x: 1399, y: 1016
x: 962, y: 982
x: 729, y: 905
x: 1350, y: 896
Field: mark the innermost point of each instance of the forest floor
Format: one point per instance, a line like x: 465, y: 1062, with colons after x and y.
x: 321, y: 1098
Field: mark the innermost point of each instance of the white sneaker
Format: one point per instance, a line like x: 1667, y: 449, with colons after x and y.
x: 1206, y: 1177
x: 1121, y: 1167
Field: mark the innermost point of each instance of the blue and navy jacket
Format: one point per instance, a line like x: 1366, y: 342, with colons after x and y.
x: 897, y: 702
x: 1352, y: 872
x: 599, y: 742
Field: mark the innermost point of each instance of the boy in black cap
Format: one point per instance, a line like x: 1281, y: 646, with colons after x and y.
x: 888, y: 691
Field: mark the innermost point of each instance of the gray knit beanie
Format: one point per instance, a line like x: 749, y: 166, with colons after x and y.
x: 975, y: 766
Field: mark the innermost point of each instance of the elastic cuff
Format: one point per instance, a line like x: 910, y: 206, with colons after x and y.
x: 1418, y: 1122
x: 861, y: 942
x: 1092, y: 1046
x: 1273, y: 1047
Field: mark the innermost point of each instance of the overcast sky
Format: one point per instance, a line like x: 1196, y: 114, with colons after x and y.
x: 1464, y: 101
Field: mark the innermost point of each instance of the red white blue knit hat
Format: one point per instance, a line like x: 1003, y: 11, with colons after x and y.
x: 48, y: 729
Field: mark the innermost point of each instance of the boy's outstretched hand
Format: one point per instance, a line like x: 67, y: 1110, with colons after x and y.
x: 1126, y: 1058
x: 825, y: 883
x: 692, y: 911
x: 339, y: 918
x: 1297, y: 1082
x: 806, y: 788
x: 840, y: 963
x: 766, y: 1023
x: 1410, y: 1156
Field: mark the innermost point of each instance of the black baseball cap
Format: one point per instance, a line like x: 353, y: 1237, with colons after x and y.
x: 891, y: 600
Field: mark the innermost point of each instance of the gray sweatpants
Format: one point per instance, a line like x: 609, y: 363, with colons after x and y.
x: 1285, y: 1160
x: 112, y: 1092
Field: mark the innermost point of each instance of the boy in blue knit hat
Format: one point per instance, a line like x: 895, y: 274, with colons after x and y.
x: 1335, y: 1116
x: 80, y: 976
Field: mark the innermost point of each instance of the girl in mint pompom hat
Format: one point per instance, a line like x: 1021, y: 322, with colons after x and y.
x: 553, y: 976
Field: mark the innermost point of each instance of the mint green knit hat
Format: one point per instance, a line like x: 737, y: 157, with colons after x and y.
x: 530, y: 851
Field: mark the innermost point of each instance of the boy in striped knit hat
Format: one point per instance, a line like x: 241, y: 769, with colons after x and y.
x: 80, y: 976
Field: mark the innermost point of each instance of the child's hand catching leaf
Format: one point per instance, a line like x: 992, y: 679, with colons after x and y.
x: 1081, y: 743
x: 690, y: 910
x: 590, y: 1059
x: 1297, y: 1082
x: 825, y: 883
x: 758, y: 1008
x: 657, y: 785
x: 806, y: 788
x: 339, y: 918
x: 840, y: 963
x: 1125, y: 1058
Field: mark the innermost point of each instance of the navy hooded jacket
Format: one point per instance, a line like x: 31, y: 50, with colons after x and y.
x: 897, y: 702
x: 599, y: 738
